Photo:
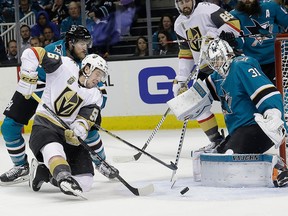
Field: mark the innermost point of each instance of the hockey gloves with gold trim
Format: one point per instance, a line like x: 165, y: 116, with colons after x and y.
x: 27, y: 83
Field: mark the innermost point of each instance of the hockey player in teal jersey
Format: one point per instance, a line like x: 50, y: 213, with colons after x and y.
x: 251, y: 104
x: 260, y: 22
x: 16, y: 117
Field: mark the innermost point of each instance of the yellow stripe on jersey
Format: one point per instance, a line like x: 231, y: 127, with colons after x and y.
x: 185, y: 53
x: 53, y: 121
x: 235, y: 24
x: 39, y: 52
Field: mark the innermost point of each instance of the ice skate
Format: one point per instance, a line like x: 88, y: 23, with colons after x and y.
x: 110, y: 172
x: 282, y: 179
x: 70, y: 186
x: 39, y: 174
x: 15, y: 175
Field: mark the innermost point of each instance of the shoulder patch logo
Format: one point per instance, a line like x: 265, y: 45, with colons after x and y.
x: 71, y: 80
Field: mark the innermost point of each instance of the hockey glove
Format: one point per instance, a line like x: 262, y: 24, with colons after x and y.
x: 179, y: 85
x: 79, y: 128
x: 272, y: 124
x: 27, y: 83
x: 229, y: 37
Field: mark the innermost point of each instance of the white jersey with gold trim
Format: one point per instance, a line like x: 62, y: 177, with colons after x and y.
x: 62, y: 93
x: 207, y: 20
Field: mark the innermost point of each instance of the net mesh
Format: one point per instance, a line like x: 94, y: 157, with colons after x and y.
x: 281, y: 66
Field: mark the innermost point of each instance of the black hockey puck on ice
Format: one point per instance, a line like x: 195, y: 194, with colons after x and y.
x: 184, y: 190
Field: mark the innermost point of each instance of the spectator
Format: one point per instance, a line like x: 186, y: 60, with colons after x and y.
x: 165, y: 46
x: 42, y: 21
x: 100, y: 9
x: 3, y: 56
x: 45, y: 4
x: 141, y: 46
x: 11, y: 52
x: 7, y: 12
x: 124, y: 16
x: 25, y: 7
x: 35, y: 42
x: 74, y: 18
x: 48, y: 36
x: 167, y: 24
x: 25, y: 33
x: 103, y: 28
x: 58, y: 12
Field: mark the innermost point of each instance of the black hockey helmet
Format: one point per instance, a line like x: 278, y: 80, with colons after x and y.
x: 78, y: 32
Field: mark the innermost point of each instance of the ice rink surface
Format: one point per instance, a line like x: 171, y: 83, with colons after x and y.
x: 113, y: 198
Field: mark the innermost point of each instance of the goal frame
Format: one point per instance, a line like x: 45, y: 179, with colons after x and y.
x: 279, y: 79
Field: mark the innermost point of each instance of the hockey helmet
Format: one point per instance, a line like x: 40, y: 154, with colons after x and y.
x: 95, y: 61
x: 219, y: 56
x: 177, y: 2
x: 76, y: 33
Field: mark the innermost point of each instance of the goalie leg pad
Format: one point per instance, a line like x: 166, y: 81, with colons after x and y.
x: 192, y: 103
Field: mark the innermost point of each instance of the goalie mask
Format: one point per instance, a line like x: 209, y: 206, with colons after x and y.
x: 185, y: 7
x: 219, y: 56
x: 89, y: 65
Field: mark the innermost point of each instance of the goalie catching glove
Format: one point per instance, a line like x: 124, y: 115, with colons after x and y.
x: 79, y: 128
x: 272, y: 124
x: 179, y: 85
x: 27, y: 83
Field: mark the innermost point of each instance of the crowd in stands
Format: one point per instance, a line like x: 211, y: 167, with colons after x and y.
x: 107, y: 20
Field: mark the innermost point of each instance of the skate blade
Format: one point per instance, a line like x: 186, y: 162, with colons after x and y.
x: 76, y: 193
x: 16, y: 181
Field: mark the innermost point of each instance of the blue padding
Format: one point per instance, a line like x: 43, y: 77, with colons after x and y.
x: 236, y: 157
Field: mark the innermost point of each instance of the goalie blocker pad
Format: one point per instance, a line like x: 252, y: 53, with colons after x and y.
x: 192, y: 103
x: 237, y: 170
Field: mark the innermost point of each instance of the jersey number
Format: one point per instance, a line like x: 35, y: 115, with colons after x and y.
x: 254, y: 72
x: 94, y: 115
x: 53, y: 56
x: 226, y: 16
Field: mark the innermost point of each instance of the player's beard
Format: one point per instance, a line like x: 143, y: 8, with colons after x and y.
x: 187, y: 11
x: 252, y: 9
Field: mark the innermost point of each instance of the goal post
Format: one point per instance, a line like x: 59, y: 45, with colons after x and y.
x: 281, y: 70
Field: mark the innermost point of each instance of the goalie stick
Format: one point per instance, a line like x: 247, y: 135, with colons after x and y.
x: 136, y: 191
x: 183, y: 131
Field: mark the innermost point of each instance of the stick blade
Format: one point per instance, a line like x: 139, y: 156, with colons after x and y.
x: 147, y: 190
x: 123, y: 159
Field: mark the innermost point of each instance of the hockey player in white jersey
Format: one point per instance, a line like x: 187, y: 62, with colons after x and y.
x: 70, y: 93
x: 206, y: 20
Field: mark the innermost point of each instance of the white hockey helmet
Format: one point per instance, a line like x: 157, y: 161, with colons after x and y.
x: 181, y: 2
x: 219, y: 56
x: 95, y: 61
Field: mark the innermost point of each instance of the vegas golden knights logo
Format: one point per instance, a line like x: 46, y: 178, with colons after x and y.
x: 67, y: 102
x: 194, y: 37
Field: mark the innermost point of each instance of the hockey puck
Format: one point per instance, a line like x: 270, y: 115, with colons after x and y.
x: 184, y: 190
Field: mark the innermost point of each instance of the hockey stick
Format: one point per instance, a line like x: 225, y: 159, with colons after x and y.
x: 123, y: 159
x: 240, y: 36
x: 136, y: 191
x: 170, y: 166
x: 183, y: 131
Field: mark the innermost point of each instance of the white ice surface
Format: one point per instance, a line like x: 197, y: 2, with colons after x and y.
x: 112, y: 198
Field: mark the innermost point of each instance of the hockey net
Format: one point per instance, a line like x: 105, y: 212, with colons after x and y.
x: 281, y: 68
